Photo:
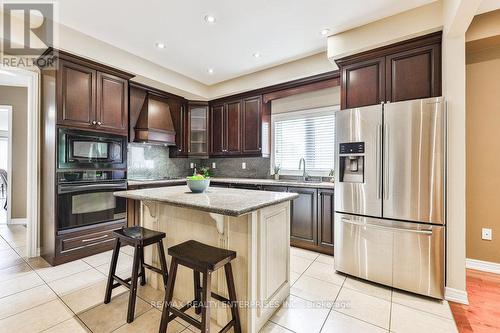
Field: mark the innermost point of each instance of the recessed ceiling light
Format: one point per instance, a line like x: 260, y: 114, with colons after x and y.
x: 325, y: 31
x: 210, y: 19
x: 160, y: 45
x: 210, y: 71
x: 257, y: 55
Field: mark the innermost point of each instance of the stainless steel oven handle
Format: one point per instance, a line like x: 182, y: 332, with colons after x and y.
x: 76, y: 188
x: 94, y: 239
x: 361, y: 224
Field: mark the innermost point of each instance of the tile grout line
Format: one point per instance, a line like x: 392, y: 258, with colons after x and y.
x: 333, y: 305
x: 57, y: 297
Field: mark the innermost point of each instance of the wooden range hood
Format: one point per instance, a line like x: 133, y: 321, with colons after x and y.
x: 154, y: 124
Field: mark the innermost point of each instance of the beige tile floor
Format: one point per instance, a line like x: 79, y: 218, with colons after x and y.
x: 35, y: 297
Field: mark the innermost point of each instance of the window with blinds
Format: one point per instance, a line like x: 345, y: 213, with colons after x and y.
x: 309, y: 134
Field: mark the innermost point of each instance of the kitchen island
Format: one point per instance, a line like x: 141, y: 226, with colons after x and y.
x: 255, y: 224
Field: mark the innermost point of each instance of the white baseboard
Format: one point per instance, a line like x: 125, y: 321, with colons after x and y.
x: 18, y: 221
x: 455, y: 295
x: 485, y: 266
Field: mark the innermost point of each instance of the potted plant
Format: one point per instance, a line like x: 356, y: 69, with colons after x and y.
x: 277, y: 169
x: 332, y: 176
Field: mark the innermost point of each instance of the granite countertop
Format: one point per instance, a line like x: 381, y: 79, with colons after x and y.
x: 224, y: 201
x: 294, y: 183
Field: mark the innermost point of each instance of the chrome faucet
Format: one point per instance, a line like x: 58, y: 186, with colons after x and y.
x: 304, y: 174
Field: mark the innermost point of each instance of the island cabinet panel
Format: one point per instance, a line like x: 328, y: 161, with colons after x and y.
x: 303, y: 229
x: 363, y: 83
x: 77, y: 92
x: 402, y: 71
x: 217, y: 130
x: 112, y: 103
x: 325, y: 219
x: 251, y: 129
x: 261, y: 267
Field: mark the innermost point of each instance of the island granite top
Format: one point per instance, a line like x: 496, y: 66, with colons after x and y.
x: 224, y: 201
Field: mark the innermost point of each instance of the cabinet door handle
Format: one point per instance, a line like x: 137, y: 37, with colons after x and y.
x: 99, y: 123
x: 94, y: 122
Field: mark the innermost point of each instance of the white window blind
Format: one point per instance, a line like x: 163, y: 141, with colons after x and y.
x: 309, y: 134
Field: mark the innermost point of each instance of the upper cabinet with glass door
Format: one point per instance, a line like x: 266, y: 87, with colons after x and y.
x: 198, y: 129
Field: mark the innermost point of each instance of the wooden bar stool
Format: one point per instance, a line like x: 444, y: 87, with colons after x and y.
x: 204, y: 259
x: 138, y: 237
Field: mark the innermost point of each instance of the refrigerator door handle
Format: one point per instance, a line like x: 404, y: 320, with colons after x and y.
x: 386, y: 163
x: 377, y: 226
x: 379, y: 161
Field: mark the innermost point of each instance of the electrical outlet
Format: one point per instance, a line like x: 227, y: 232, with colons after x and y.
x: 243, y: 165
x: 191, y: 165
x: 486, y: 234
x: 213, y: 165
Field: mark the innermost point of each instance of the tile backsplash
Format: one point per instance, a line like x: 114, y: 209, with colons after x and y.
x: 153, y: 162
x: 256, y: 167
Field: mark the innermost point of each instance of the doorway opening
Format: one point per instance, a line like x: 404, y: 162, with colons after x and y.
x: 19, y: 123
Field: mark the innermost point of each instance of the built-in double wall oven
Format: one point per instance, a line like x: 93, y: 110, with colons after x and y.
x: 91, y: 166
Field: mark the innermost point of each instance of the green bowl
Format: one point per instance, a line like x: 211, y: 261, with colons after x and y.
x: 198, y: 185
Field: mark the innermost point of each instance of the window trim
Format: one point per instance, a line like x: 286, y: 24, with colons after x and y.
x: 297, y: 114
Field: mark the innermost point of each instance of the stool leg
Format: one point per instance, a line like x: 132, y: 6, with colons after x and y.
x: 112, y: 271
x: 133, y: 284
x: 143, y: 271
x: 163, y: 263
x: 205, y: 301
x: 232, y: 297
x: 197, y: 292
x: 169, y: 293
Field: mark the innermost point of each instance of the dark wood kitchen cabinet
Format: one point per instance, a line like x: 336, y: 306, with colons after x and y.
x: 304, y: 226
x: 232, y: 128
x: 112, y: 103
x: 413, y: 74
x: 311, y: 219
x: 225, y: 129
x: 77, y: 94
x: 91, y: 96
x: 217, y: 130
x: 325, y: 219
x: 81, y: 94
x: 406, y: 70
x: 251, y: 126
x: 363, y: 83
x: 235, y: 127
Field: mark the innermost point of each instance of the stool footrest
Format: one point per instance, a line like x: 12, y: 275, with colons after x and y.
x: 178, y: 313
x: 221, y: 298
x: 152, y: 268
x: 227, y: 327
x: 123, y: 282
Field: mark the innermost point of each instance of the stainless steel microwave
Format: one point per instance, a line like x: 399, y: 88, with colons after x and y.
x: 79, y: 149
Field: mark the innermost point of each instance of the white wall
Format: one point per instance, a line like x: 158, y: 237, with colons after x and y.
x: 310, y: 100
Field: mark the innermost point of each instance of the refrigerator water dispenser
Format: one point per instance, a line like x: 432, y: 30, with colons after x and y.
x: 352, y: 162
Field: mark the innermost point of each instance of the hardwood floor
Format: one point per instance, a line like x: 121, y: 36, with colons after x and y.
x: 483, y: 311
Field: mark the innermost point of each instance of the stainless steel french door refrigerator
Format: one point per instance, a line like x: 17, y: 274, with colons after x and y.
x: 390, y: 194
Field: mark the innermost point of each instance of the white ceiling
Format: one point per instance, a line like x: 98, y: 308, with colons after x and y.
x: 488, y: 6
x: 281, y: 30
